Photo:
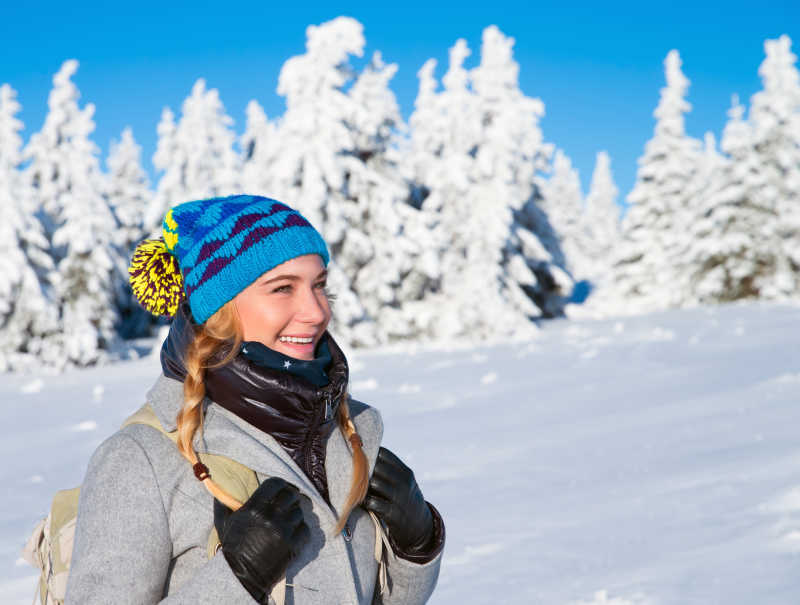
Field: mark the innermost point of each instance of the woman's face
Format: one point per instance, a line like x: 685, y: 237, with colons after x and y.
x: 285, y: 304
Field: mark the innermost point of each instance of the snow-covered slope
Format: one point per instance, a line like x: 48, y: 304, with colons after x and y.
x: 653, y: 459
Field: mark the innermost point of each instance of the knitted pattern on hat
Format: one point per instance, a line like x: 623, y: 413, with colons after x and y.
x: 224, y: 244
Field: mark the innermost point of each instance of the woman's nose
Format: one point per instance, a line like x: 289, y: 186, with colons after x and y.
x: 312, y: 309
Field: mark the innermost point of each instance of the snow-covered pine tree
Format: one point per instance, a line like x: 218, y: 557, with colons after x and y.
x: 601, y: 219
x: 169, y: 157
x: 444, y: 130
x: 128, y: 190
x: 307, y: 169
x: 443, y: 141
x: 475, y: 150
x: 381, y: 251
x: 702, y: 191
x: 774, y: 117
x: 128, y: 195
x: 196, y: 155
x: 733, y: 252
x: 26, y: 315
x: 336, y: 162
x: 746, y: 238
x: 259, y: 144
x: 655, y: 228
x: 722, y: 253
x: 13, y: 263
x: 68, y: 187
x: 562, y: 203
x: 510, y: 157
x: 313, y: 133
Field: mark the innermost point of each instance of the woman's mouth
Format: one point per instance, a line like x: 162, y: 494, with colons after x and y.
x: 301, y: 346
x: 297, y: 339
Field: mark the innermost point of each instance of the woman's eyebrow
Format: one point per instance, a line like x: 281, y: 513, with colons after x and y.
x: 290, y: 277
x: 279, y: 277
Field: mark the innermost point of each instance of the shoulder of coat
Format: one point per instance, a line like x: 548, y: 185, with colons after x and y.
x: 367, y: 419
x: 165, y: 398
x: 156, y: 445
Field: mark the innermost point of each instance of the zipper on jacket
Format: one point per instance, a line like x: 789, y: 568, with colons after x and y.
x: 312, y: 434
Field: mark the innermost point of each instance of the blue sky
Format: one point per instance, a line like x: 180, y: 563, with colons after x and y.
x: 598, y: 71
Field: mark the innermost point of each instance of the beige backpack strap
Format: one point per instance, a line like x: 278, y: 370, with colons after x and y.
x: 36, y: 553
x: 31, y: 550
x: 278, y: 593
x: 382, y: 548
x: 50, y: 547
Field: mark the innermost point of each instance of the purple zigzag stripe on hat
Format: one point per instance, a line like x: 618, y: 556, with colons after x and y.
x: 242, y: 223
x: 219, y: 263
x: 214, y: 267
x: 246, y: 221
x: 256, y: 235
x: 208, y: 249
x: 293, y: 220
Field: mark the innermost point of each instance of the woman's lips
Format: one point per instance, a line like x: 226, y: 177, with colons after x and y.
x: 300, y: 350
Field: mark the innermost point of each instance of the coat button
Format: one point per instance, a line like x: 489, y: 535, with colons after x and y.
x: 348, y: 535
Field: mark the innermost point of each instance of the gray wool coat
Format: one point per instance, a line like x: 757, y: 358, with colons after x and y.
x: 144, y: 519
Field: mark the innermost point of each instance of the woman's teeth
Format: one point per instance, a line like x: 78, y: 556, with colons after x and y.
x: 296, y: 339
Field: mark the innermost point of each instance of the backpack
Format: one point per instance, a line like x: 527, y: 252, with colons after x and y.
x: 50, y: 546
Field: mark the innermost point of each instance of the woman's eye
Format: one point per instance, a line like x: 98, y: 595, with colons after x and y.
x: 286, y: 288
x: 324, y: 287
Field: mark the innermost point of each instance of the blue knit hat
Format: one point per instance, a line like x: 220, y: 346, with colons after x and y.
x: 213, y: 249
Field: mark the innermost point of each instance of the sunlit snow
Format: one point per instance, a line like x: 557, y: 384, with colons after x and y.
x: 655, y: 471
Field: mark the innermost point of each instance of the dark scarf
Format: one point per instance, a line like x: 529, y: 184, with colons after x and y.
x: 299, y: 415
x: 314, y: 370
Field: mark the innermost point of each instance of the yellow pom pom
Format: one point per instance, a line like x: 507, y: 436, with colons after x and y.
x: 156, y: 279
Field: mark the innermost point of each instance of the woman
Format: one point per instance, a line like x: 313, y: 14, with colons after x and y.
x: 250, y: 375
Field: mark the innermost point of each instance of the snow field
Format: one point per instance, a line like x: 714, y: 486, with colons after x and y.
x: 660, y: 469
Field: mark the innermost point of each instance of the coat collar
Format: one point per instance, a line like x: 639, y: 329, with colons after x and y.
x: 226, y: 434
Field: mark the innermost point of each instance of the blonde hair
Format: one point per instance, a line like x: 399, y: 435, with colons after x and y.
x: 220, y: 331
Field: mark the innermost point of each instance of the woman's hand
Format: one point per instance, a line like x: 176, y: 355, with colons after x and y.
x: 260, y: 539
x: 394, y: 496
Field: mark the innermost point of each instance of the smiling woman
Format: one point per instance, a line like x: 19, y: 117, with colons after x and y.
x: 233, y: 483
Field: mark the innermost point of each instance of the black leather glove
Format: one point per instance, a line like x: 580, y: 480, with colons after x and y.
x: 260, y: 539
x: 394, y: 496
